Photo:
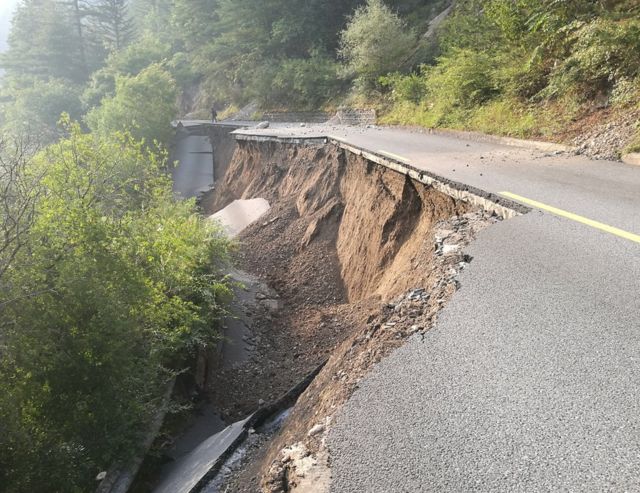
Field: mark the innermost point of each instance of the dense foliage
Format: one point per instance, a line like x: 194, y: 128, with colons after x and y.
x: 109, y: 287
x: 141, y: 104
x: 298, y: 54
x: 107, y: 284
x: 519, y: 67
x: 524, y: 67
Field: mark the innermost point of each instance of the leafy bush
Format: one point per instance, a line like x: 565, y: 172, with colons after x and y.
x: 521, y: 76
x: 118, y: 284
x: 411, y: 87
x: 459, y: 82
x: 626, y: 92
x: 143, y: 105
x: 602, y: 52
x: 375, y: 42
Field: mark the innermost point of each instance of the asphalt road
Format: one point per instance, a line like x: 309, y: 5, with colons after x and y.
x: 530, y: 380
x: 194, y: 172
x: 600, y: 190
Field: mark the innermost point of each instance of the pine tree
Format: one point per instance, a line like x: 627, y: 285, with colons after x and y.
x: 153, y: 16
x: 44, y: 42
x: 111, y: 21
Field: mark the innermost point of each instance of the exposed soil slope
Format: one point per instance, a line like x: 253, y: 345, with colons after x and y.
x: 361, y: 258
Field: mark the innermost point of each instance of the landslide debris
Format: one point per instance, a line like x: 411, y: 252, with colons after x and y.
x: 361, y: 257
x: 606, y: 139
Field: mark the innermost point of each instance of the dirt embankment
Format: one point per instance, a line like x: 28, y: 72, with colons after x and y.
x: 361, y: 258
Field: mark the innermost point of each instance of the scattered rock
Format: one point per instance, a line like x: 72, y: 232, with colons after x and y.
x: 298, y: 471
x: 271, y: 305
x: 607, y: 140
x: 449, y: 249
x: 316, y: 430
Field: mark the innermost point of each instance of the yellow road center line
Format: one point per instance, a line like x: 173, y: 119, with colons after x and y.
x: 574, y: 217
x: 394, y: 156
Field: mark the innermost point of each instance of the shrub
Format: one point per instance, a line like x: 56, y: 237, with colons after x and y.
x: 626, y: 92
x: 460, y: 81
x: 602, y: 52
x: 143, y: 105
x: 411, y: 87
x: 375, y: 42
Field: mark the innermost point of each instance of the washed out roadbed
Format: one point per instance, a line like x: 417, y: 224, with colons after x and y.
x: 361, y: 258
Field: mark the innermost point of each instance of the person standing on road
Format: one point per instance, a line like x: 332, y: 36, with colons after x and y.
x: 214, y: 114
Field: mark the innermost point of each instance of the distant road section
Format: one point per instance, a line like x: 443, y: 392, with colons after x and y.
x: 194, y: 172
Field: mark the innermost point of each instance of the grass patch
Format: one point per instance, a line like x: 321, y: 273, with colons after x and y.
x: 228, y: 112
x: 505, y: 118
x: 634, y: 146
x: 498, y: 117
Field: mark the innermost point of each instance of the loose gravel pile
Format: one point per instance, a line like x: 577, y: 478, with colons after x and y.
x: 608, y: 140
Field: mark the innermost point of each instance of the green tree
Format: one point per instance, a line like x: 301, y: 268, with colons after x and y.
x: 375, y: 42
x: 44, y: 42
x: 143, y: 104
x: 153, y: 17
x: 35, y: 106
x: 298, y: 83
x: 195, y: 22
x: 117, y: 285
x: 236, y: 45
x: 130, y: 61
x: 19, y: 192
x: 111, y: 20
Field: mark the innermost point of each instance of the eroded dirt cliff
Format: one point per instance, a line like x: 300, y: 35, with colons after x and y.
x: 361, y: 257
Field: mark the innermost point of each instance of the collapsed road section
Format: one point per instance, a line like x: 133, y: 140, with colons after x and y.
x: 362, y: 252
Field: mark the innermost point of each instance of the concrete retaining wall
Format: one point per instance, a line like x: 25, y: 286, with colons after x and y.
x: 296, y: 117
x: 356, y: 117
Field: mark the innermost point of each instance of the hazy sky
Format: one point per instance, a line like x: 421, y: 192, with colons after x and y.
x: 6, y: 10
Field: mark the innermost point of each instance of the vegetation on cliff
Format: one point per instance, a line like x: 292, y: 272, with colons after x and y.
x: 525, y: 68
x: 107, y: 286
